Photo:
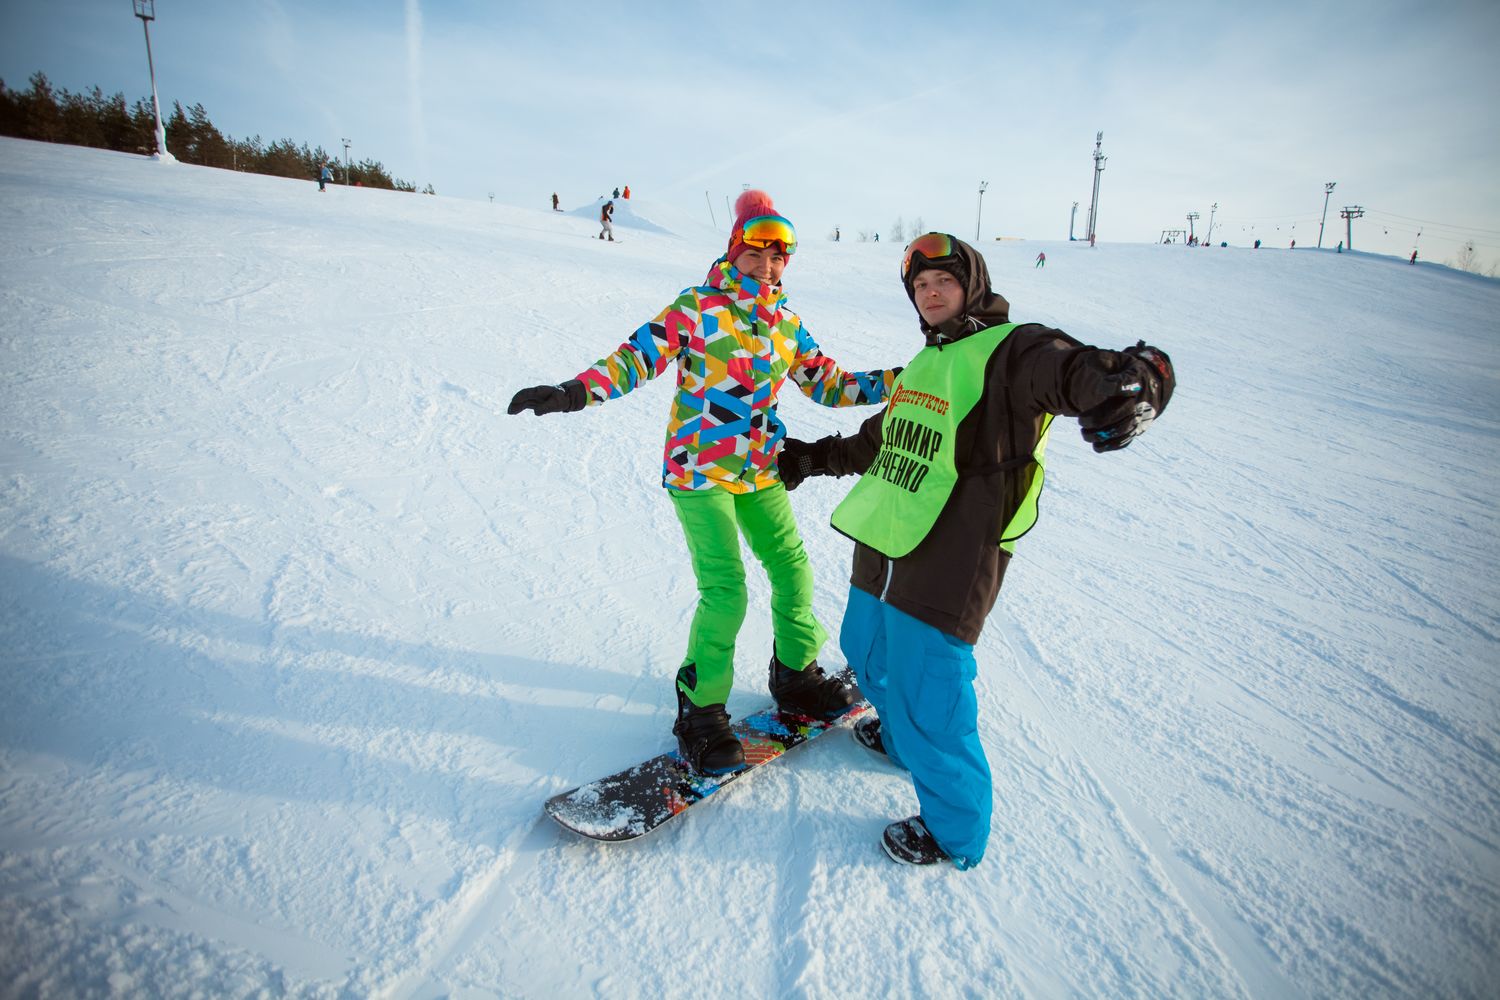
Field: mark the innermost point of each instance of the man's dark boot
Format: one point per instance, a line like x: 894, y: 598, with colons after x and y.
x: 811, y: 692
x: 704, y: 737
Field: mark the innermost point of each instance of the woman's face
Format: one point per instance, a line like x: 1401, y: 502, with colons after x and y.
x: 763, y: 264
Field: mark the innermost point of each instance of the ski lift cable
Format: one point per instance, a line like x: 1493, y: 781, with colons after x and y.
x: 1430, y: 222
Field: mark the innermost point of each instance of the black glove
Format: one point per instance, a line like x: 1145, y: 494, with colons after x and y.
x: 565, y: 398
x: 801, y: 459
x: 1138, y: 384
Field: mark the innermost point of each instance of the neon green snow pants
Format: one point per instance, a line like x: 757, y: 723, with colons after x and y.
x: 712, y: 520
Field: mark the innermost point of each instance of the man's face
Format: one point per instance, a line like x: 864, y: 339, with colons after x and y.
x: 938, y: 296
x: 763, y: 264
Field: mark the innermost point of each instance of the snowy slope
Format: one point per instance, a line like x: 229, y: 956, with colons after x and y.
x: 299, y: 628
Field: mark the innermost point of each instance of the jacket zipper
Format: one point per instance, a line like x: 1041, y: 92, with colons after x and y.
x: 890, y: 569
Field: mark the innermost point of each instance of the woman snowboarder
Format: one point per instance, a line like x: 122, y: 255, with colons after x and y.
x: 735, y: 344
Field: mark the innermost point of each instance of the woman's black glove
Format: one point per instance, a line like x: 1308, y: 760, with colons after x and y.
x: 565, y: 398
x: 801, y: 459
x: 1139, y: 384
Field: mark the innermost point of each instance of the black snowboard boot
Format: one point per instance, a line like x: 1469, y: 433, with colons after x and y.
x: 811, y: 692
x: 909, y: 843
x: 704, y: 737
x: 867, y: 733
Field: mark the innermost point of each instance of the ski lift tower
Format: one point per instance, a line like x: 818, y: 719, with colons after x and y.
x: 1349, y: 214
x: 146, y: 11
x: 1099, y: 159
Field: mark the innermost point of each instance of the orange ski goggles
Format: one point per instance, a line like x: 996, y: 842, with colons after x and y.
x: 766, y: 231
x: 935, y: 248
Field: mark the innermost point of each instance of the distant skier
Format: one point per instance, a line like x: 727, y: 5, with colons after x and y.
x: 626, y: 195
x: 1041, y: 260
x: 606, y: 214
x: 554, y: 202
x: 735, y: 344
x: 324, y: 176
x: 950, y: 477
x: 616, y: 194
x: 1341, y: 247
x: 1413, y: 257
x: 835, y: 234
x: 1294, y: 244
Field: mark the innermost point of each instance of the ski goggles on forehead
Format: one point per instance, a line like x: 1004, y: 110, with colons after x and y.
x: 765, y: 231
x: 933, y: 247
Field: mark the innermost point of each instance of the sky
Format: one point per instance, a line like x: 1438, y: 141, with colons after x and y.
x: 859, y: 115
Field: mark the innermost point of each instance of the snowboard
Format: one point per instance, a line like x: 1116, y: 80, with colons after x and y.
x: 640, y: 799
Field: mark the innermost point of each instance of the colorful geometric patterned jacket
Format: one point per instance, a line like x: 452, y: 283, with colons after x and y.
x: 735, y: 345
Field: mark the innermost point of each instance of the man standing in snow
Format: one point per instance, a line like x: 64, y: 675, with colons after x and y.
x: 554, y: 202
x: 605, y: 214
x: 950, y: 475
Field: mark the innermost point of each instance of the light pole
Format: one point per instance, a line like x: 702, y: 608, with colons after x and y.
x: 146, y: 11
x: 1211, y: 210
x: 983, y: 186
x: 1072, y: 219
x: 1099, y: 159
x: 346, y: 161
x: 1327, y: 190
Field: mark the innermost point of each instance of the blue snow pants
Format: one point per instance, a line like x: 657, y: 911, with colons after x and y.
x: 921, y: 682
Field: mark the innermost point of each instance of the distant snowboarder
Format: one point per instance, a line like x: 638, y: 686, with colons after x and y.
x: 605, y: 215
x: 554, y: 202
x: 324, y: 176
x: 1041, y: 260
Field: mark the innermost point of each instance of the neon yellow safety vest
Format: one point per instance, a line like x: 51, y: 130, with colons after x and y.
x: 898, y: 499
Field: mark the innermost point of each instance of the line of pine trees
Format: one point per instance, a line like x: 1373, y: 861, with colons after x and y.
x: 92, y: 119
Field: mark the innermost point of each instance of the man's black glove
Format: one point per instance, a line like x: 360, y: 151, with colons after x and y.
x: 801, y: 459
x: 565, y: 398
x: 1138, y: 384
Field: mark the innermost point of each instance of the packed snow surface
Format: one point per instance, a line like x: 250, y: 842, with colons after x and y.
x: 299, y: 629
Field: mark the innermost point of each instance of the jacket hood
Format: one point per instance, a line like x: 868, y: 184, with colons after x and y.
x: 983, y: 307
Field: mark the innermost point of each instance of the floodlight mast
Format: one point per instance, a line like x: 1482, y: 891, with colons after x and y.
x: 146, y: 11
x: 1099, y: 159
x: 1327, y: 190
x: 983, y: 186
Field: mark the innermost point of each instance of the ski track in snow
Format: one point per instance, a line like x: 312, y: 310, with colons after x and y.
x: 300, y: 628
